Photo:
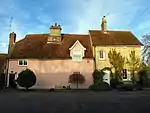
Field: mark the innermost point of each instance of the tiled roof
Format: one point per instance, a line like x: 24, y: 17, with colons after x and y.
x: 36, y: 46
x: 113, y: 38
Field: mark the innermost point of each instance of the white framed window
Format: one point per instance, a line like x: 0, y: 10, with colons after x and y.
x: 102, y: 55
x: 124, y: 74
x: 22, y: 63
x: 77, y: 56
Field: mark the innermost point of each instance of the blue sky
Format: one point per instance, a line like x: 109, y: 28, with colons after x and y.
x: 75, y: 16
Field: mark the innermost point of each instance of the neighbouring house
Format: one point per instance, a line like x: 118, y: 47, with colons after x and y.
x: 104, y: 40
x: 53, y: 57
x: 3, y: 58
x: 3, y: 64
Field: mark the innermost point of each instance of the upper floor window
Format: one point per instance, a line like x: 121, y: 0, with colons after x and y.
x: 77, y: 55
x: 23, y: 63
x: 101, y: 55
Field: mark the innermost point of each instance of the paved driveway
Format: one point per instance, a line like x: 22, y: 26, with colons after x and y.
x: 75, y: 102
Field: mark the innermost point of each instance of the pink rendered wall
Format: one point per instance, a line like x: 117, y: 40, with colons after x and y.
x: 55, y: 72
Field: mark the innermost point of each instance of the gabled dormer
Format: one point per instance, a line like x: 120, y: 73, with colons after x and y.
x: 55, y: 33
x: 77, y: 51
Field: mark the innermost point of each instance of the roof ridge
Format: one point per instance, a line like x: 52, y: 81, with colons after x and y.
x: 112, y: 30
x: 37, y: 34
x: 75, y: 34
x: 61, y: 34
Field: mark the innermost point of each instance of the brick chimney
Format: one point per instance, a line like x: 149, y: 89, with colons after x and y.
x: 12, y: 40
x: 104, y: 25
x: 55, y: 33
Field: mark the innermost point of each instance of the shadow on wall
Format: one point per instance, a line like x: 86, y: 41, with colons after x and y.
x: 50, y: 80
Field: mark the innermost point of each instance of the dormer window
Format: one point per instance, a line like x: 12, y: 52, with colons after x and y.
x: 77, y: 56
x: 77, y: 51
x: 102, y: 55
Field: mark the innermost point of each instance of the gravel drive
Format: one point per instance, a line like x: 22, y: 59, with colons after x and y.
x: 75, y: 102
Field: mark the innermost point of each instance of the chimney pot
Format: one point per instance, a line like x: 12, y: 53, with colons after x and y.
x: 12, y: 39
x: 104, y: 24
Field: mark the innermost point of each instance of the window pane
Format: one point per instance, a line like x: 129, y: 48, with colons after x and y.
x: 20, y: 62
x: 101, y: 54
x: 77, y: 57
x: 124, y: 73
x: 25, y: 62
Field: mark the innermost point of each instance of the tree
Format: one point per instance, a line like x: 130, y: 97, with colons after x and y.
x: 76, y: 78
x: 117, y: 61
x: 146, y: 49
x: 134, y: 63
x: 144, y: 75
x: 26, y: 79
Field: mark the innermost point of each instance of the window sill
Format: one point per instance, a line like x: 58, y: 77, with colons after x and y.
x: 102, y: 59
x: 22, y: 65
x: 77, y: 60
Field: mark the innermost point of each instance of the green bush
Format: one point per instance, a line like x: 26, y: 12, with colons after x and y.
x: 114, y: 82
x: 98, y: 76
x: 144, y: 79
x: 129, y: 87
x: 26, y: 78
x: 103, y: 86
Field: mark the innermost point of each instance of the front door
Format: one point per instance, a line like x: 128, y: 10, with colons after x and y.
x: 106, y: 77
x: 12, y: 80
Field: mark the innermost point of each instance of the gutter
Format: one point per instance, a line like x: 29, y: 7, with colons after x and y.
x: 6, y: 74
x: 93, y: 51
x: 94, y: 57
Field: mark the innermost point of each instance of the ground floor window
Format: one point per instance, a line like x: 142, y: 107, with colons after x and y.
x: 22, y: 63
x: 124, y: 73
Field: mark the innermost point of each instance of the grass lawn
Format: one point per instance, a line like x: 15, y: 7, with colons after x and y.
x: 75, y: 102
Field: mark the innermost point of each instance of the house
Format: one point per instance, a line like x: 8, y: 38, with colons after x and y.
x: 53, y: 57
x: 104, y: 40
x: 3, y: 62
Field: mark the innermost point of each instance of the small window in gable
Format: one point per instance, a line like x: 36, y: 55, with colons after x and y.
x: 23, y: 63
x: 101, y: 55
x: 77, y: 56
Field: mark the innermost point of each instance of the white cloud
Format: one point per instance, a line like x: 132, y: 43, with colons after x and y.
x: 84, y: 14
x: 121, y: 13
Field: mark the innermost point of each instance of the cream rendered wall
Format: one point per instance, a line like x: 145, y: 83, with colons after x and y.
x: 124, y: 50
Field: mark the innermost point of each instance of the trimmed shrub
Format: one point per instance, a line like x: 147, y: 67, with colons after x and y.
x: 103, y: 86
x: 114, y: 82
x: 76, y: 78
x: 26, y: 78
x: 98, y: 76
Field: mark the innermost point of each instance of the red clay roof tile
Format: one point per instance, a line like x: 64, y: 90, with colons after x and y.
x: 113, y: 38
x: 36, y: 46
